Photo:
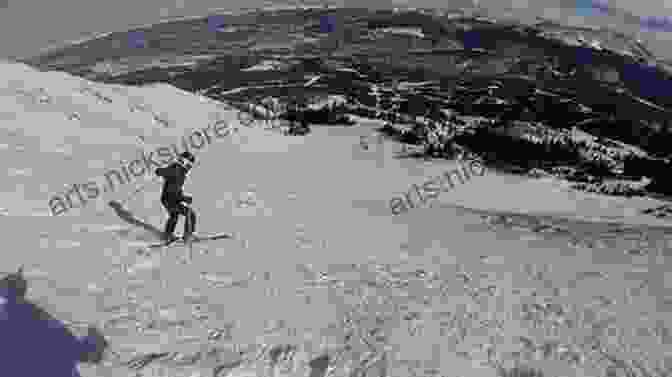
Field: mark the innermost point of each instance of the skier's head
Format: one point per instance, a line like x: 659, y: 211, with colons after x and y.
x: 186, y: 160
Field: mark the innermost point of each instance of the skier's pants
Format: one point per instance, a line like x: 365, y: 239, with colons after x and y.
x: 175, y: 209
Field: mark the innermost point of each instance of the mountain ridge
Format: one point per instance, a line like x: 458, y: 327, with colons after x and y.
x: 600, y: 78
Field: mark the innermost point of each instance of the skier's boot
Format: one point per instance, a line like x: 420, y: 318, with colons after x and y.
x: 190, y: 227
x: 190, y: 237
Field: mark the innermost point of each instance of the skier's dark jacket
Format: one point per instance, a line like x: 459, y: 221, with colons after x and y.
x: 174, y: 176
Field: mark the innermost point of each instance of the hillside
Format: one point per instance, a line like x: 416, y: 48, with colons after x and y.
x: 502, y: 271
x: 560, y: 78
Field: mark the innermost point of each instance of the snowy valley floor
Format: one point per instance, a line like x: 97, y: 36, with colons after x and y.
x: 319, y: 263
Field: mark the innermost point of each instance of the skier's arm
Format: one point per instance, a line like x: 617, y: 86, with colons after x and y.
x: 165, y: 171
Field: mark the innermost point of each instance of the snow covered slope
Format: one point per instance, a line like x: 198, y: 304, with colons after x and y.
x: 71, y: 130
x: 314, y: 239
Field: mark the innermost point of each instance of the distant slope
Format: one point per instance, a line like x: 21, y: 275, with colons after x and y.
x: 557, y: 75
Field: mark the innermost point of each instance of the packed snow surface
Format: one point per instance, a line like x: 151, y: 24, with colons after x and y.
x: 314, y: 237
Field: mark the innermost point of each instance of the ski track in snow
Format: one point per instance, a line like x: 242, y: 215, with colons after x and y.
x: 319, y: 261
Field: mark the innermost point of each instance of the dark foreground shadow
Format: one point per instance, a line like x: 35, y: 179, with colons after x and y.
x: 33, y: 343
x: 128, y: 217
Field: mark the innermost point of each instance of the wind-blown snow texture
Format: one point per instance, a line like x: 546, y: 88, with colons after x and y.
x: 320, y: 278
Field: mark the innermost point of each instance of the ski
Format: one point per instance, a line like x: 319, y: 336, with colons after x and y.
x: 196, y: 239
x: 162, y: 244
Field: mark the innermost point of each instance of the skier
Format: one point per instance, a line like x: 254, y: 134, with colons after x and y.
x: 173, y: 198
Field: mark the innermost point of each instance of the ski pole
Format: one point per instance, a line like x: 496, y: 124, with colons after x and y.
x: 134, y: 193
x: 139, y: 189
x: 188, y: 226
